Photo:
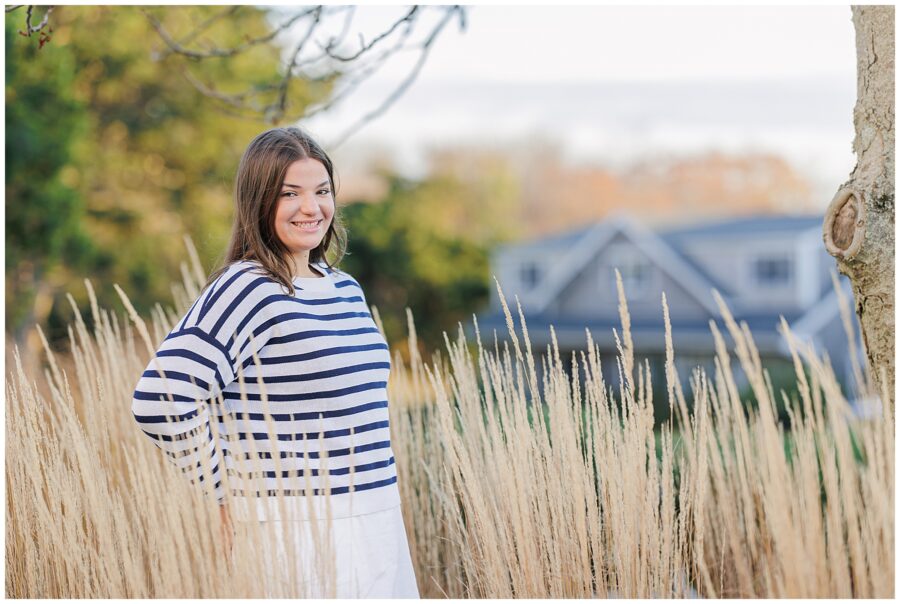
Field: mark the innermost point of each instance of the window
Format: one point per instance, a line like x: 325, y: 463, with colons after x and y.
x: 530, y: 274
x: 636, y: 271
x: 772, y: 271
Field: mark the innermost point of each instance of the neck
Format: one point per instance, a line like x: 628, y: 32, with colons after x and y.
x: 300, y: 261
x: 301, y: 266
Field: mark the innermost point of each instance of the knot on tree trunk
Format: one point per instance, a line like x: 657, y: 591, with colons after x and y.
x: 844, y: 224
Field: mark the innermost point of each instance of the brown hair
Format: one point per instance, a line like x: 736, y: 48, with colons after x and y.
x: 257, y: 184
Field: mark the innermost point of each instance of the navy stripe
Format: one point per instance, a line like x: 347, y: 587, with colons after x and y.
x: 317, y: 354
x: 226, y: 314
x: 180, y: 437
x: 302, y: 492
x: 318, y: 375
x: 140, y: 395
x: 209, y: 297
x: 286, y: 417
x: 161, y: 419
x: 265, y: 436
x: 184, y: 321
x: 175, y: 375
x: 213, y: 297
x: 315, y: 333
x: 385, y: 444
x: 310, y: 302
x: 305, y: 315
x: 306, y: 396
x: 202, y: 335
x: 296, y: 473
x: 308, y: 435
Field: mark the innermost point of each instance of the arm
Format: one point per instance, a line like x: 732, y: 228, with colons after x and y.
x: 192, y: 366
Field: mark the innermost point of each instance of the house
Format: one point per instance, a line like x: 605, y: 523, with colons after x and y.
x: 764, y: 267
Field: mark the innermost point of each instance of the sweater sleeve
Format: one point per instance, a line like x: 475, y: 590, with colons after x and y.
x: 194, y: 364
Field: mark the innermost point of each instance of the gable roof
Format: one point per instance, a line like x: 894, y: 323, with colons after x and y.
x: 592, y: 241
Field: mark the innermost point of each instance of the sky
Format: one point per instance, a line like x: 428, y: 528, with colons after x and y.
x: 613, y: 84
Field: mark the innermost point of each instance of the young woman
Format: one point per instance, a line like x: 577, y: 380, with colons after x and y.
x: 279, y: 322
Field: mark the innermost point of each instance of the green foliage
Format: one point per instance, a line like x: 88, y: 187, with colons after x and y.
x: 404, y: 254
x: 112, y: 156
x: 43, y: 214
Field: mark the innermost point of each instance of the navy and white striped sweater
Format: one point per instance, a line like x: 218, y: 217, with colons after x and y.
x: 324, y: 367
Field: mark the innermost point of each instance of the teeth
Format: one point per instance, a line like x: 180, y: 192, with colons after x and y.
x: 307, y: 224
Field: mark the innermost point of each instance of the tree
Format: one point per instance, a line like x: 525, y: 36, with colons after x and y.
x: 858, y: 228
x: 124, y: 126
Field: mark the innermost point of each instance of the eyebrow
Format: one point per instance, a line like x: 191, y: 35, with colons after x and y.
x: 321, y: 184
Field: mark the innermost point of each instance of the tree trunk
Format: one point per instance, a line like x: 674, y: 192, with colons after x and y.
x: 859, y: 224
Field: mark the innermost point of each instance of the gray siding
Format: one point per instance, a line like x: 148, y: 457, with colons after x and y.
x: 729, y: 261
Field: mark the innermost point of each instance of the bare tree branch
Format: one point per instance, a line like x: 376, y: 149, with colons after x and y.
x: 228, y: 12
x: 325, y: 64
x: 406, y: 83
x: 175, y: 47
x: 341, y: 72
x: 366, y: 47
x: 33, y: 29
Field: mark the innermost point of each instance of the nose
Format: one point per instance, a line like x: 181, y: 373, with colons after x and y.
x: 308, y: 204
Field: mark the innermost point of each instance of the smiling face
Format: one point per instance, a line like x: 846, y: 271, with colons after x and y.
x: 304, y: 211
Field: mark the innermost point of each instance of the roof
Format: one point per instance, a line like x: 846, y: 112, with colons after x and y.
x: 745, y: 225
x: 589, y: 244
x: 560, y: 240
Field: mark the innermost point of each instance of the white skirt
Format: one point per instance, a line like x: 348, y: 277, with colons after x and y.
x: 371, y: 557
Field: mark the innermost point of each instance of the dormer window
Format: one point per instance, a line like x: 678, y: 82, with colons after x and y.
x: 772, y: 271
x: 530, y: 274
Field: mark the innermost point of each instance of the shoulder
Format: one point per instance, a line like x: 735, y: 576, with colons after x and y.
x: 239, y: 282
x: 341, y: 277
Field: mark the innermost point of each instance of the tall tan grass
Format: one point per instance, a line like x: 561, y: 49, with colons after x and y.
x: 511, y: 487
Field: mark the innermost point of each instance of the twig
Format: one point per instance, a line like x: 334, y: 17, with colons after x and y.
x: 288, y: 74
x: 32, y: 29
x: 408, y: 18
x: 228, y: 12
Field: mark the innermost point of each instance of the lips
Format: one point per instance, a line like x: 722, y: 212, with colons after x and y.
x: 307, y: 225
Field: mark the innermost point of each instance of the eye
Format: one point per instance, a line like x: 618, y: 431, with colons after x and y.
x: 288, y: 192
x: 324, y: 191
